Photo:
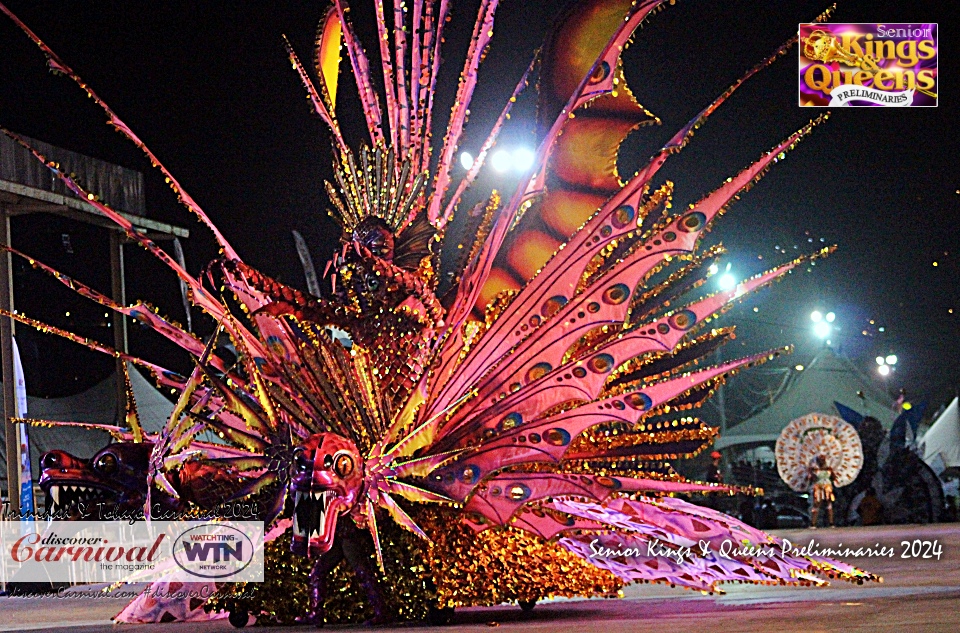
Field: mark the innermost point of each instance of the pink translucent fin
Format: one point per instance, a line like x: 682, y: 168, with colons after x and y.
x: 482, y: 33
x: 547, y: 378
x: 548, y: 303
x: 509, y: 440
x: 672, y: 541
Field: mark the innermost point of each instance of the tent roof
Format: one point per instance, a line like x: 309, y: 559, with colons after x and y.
x: 828, y: 378
x: 97, y: 404
x: 943, y: 438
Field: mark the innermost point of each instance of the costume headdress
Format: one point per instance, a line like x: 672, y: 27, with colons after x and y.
x: 556, y: 415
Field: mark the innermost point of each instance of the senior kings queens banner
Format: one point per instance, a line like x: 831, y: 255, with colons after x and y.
x: 868, y: 65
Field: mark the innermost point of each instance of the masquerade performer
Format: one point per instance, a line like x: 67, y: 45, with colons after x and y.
x: 817, y: 453
x: 541, y: 393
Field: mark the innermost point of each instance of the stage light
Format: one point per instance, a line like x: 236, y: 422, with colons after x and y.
x: 713, y: 269
x: 501, y: 160
x: 880, y: 360
x: 891, y: 359
x: 522, y: 159
x: 822, y: 329
x: 830, y: 317
x: 517, y: 159
x: 727, y: 281
x: 466, y: 160
x: 884, y: 370
x: 799, y: 367
x: 816, y: 316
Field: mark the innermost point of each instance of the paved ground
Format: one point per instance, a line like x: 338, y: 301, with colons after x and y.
x: 917, y: 595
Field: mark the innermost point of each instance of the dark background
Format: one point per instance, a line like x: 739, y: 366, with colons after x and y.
x: 208, y: 88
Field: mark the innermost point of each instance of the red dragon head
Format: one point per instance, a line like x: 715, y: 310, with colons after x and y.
x: 77, y: 488
x: 327, y: 482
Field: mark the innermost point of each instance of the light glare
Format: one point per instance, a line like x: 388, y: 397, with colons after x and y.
x: 500, y: 160
x: 522, y: 159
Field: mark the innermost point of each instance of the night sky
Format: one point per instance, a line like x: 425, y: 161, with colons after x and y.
x: 209, y: 89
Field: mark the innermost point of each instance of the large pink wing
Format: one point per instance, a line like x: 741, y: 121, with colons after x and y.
x: 544, y: 315
x: 655, y: 538
x: 671, y: 541
x: 527, y: 385
x: 511, y: 441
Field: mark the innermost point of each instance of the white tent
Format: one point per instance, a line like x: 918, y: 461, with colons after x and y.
x: 828, y: 378
x: 940, y: 445
x: 97, y: 404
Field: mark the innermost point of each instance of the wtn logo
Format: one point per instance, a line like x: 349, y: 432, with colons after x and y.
x: 217, y: 550
x: 220, y: 551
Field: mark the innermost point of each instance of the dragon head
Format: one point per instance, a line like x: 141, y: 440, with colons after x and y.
x: 115, y: 476
x: 327, y: 482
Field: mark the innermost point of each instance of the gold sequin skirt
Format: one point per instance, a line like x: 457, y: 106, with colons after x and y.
x: 823, y: 492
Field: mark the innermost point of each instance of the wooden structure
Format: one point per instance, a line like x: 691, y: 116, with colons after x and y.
x: 27, y: 186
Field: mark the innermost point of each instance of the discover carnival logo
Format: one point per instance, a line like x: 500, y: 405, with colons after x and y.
x: 141, y: 551
x: 863, y: 65
x: 53, y: 548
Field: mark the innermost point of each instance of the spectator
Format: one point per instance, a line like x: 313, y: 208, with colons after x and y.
x: 714, y: 472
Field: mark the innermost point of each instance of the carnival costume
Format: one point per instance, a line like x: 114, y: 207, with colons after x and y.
x: 534, y: 397
x: 822, y: 485
x: 817, y: 453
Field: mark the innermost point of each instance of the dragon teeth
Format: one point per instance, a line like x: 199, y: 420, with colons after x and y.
x: 63, y: 496
x: 296, y: 523
x: 316, y: 526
